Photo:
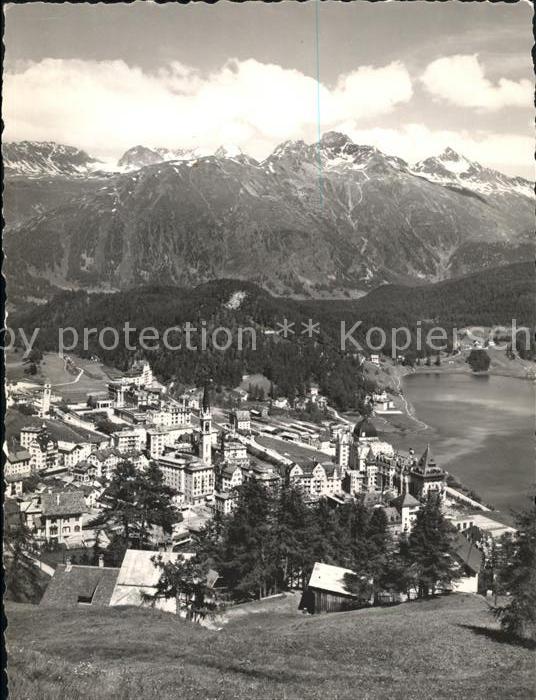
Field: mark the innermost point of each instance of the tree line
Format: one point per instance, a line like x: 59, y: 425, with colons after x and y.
x: 488, y: 298
x: 272, y: 539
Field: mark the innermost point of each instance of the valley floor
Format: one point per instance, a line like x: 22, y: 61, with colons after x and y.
x: 443, y: 648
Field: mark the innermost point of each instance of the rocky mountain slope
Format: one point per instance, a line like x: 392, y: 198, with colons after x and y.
x: 140, y: 156
x: 40, y: 176
x: 321, y: 219
x: 452, y: 169
x: 37, y: 159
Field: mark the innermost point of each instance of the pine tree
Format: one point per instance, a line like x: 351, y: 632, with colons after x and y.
x: 517, y: 576
x: 327, y: 537
x: 429, y: 551
x: 369, y: 543
x: 138, y: 500
x: 247, y: 558
x: 120, y: 497
x: 207, y: 542
x: 154, y: 502
x: 291, y: 535
x: 185, y: 581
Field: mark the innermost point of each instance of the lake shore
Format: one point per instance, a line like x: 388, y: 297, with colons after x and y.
x: 500, y: 366
x: 481, y: 430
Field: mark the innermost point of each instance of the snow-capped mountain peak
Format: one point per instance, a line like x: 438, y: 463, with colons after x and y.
x: 140, y: 156
x: 454, y: 170
x: 38, y: 158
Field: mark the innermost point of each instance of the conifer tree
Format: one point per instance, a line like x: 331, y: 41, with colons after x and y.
x: 292, y: 539
x: 137, y: 500
x: 247, y: 559
x: 517, y: 576
x: 326, y: 537
x: 429, y: 550
x: 185, y: 581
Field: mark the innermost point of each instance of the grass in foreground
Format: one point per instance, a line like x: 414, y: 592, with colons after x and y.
x: 445, y: 648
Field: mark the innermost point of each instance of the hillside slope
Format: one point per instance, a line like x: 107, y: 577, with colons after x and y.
x: 445, y: 648
x: 486, y: 298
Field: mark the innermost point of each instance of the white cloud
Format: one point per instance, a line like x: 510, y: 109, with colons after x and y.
x: 108, y: 106
x: 509, y: 153
x: 460, y: 80
x: 369, y: 91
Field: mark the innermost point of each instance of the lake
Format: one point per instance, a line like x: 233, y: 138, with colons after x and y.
x: 481, y: 429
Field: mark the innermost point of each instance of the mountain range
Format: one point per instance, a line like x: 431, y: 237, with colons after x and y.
x: 332, y: 218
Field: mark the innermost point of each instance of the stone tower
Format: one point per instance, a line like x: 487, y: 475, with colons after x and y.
x: 44, y: 409
x: 205, y: 420
x: 342, y: 449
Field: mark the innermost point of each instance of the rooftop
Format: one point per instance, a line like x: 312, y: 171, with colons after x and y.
x: 365, y: 429
x: 468, y: 553
x: 63, y: 503
x: 20, y: 456
x: 330, y: 578
x: 405, y: 500
x: 71, y: 586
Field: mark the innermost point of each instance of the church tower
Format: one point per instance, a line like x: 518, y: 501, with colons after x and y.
x: 44, y: 409
x: 426, y: 476
x: 342, y: 450
x: 205, y: 420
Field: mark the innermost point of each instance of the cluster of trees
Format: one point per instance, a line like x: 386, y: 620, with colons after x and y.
x: 256, y: 392
x: 137, y: 501
x: 312, y: 413
x: 32, y: 361
x: 272, y: 540
x: 515, y: 574
x: 486, y: 299
x: 290, y: 364
x: 479, y: 360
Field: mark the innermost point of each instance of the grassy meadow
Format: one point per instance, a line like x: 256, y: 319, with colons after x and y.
x: 443, y: 648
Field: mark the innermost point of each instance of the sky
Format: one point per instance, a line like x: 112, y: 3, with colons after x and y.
x: 409, y: 78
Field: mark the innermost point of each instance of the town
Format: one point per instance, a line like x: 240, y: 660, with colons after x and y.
x: 62, y: 466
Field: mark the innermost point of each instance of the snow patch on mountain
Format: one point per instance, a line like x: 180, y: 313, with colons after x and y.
x: 39, y: 158
x: 452, y: 169
x: 236, y: 300
x: 141, y: 156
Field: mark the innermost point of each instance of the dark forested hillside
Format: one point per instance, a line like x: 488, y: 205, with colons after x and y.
x: 493, y: 297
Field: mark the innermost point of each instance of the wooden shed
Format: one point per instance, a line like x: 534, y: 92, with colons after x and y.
x: 328, y: 590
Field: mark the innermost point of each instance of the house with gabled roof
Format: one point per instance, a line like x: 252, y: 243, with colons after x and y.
x: 471, y: 563
x: 334, y: 589
x: 240, y: 420
x: 61, y: 515
x: 316, y: 478
x: 407, y: 506
x: 138, y: 577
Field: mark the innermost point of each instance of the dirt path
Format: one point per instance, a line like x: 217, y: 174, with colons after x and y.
x: 76, y: 379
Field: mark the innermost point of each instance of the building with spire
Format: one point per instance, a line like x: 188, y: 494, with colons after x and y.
x: 206, y: 434
x: 44, y: 405
x: 426, y: 477
x: 191, y: 475
x: 370, y: 464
